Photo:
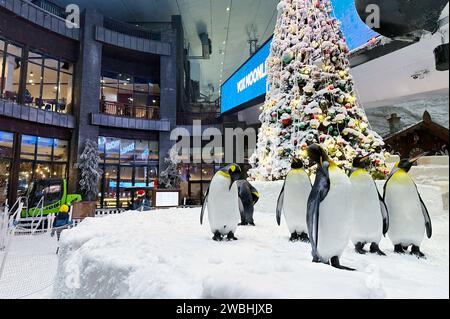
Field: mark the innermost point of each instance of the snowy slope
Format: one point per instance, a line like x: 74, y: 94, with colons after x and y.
x: 167, y: 254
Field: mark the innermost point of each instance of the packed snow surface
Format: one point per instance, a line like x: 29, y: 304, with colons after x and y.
x: 167, y: 254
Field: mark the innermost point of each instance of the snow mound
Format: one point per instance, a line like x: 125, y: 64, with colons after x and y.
x: 167, y: 254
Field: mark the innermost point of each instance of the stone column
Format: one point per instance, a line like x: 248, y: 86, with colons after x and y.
x: 169, y: 93
x: 86, y: 90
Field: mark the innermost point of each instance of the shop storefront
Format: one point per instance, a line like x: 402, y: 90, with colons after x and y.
x: 126, y: 163
x: 25, y: 158
x: 6, y: 155
x: 47, y: 83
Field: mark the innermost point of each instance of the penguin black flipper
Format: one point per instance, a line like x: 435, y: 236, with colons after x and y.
x: 204, y: 207
x: 280, y: 204
x: 384, y: 212
x: 318, y: 194
x: 386, y: 184
x: 255, y: 194
x: 426, y: 215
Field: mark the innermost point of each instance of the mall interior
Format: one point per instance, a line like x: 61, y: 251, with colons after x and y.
x: 131, y: 72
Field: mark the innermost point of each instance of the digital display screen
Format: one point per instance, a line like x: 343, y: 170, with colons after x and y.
x: 250, y: 81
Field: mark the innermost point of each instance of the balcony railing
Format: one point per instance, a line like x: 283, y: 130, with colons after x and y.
x: 128, y: 110
x: 50, y: 7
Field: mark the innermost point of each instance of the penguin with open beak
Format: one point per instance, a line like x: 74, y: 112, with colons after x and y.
x: 223, y: 203
x: 371, y: 218
x: 329, y: 215
x: 409, y: 216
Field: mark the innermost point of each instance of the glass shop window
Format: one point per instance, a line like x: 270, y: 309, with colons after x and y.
x: 142, y: 152
x: 61, y: 151
x: 101, y: 148
x: 45, y: 147
x: 65, y: 94
x: 112, y: 150
x: 6, y: 144
x: 28, y: 147
x: 42, y: 171
x: 127, y: 149
x: 25, y: 177
x: 154, y: 151
x: 12, y: 61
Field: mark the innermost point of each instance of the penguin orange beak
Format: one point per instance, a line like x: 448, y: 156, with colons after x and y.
x: 415, y: 159
x: 365, y: 158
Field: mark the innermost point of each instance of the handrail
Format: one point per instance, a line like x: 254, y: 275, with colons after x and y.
x: 41, y: 8
x: 17, y: 212
x: 39, y: 206
x: 128, y: 110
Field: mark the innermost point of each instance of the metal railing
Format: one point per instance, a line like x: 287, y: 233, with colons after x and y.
x: 129, y: 29
x: 4, y: 226
x: 50, y: 7
x: 128, y: 110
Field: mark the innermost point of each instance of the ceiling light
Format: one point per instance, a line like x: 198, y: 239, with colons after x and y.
x: 224, y: 42
x: 228, y: 8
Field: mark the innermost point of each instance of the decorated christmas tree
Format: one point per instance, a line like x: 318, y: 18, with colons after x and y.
x: 311, y: 96
x: 90, y: 171
x: 170, y: 177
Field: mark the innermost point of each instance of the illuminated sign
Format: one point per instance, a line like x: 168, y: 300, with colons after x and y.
x: 247, y: 86
x: 248, y: 83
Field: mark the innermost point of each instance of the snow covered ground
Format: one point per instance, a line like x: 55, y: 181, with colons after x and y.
x: 167, y: 254
x: 30, y: 267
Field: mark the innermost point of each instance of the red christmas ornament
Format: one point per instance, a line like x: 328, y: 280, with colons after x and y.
x: 286, y: 122
x: 331, y: 88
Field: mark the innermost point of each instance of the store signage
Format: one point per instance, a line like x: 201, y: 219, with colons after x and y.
x: 248, y: 83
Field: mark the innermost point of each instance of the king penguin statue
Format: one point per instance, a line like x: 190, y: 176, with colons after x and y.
x: 409, y: 217
x: 329, y: 215
x: 371, y: 219
x: 223, y: 203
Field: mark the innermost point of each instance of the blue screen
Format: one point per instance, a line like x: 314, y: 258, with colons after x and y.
x: 250, y: 81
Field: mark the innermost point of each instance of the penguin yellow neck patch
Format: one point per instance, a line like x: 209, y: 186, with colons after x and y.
x: 223, y: 174
x: 233, y: 168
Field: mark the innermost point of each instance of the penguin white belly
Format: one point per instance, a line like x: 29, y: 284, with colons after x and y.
x: 335, y: 217
x: 296, y: 193
x: 223, y: 206
x: 407, y: 225
x: 367, y: 218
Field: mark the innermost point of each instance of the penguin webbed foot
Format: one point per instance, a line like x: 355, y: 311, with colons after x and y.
x: 415, y: 251
x: 399, y: 249
x: 359, y: 248
x: 304, y: 238
x: 231, y: 237
x: 217, y: 236
x: 294, y: 237
x: 243, y: 224
x: 335, y: 263
x: 375, y: 249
